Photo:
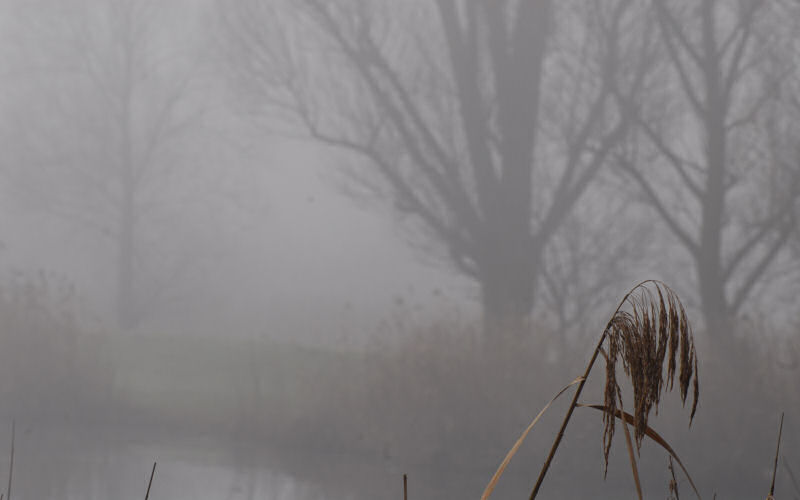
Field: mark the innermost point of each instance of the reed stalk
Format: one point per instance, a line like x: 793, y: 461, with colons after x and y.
x: 150, y: 483
x: 11, y: 461
x: 775, y: 465
x: 648, y: 331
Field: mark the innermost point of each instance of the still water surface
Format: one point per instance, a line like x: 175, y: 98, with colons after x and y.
x: 85, y: 463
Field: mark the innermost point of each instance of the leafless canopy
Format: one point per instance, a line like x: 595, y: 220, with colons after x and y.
x: 482, y: 133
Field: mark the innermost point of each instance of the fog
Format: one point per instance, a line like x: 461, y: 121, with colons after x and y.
x: 296, y: 249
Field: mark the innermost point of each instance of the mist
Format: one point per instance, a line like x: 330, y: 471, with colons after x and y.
x: 298, y: 249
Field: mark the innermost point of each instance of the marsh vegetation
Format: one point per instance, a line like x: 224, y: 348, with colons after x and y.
x: 299, y: 248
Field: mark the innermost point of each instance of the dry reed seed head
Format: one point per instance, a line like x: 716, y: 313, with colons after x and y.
x: 649, y: 327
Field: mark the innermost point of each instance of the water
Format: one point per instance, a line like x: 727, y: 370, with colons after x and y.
x: 78, y: 461
x: 75, y: 462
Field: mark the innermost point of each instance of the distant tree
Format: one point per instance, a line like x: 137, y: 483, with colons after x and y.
x: 100, y: 134
x: 480, y: 123
x: 602, y: 245
x: 708, y: 155
x: 598, y: 251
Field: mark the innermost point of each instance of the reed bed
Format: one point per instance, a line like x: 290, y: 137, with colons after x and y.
x: 650, y: 336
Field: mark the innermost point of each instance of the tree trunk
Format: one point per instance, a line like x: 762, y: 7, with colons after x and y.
x: 505, y: 315
x: 709, y: 260
x: 126, y: 315
x: 508, y: 287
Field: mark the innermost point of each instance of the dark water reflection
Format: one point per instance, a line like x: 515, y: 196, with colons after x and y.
x: 69, y: 462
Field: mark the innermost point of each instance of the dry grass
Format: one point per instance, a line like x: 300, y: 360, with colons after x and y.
x: 513, y: 451
x: 439, y: 399
x: 775, y: 465
x: 652, y: 329
x: 49, y: 355
x: 648, y: 327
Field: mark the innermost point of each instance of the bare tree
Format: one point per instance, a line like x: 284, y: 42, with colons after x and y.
x: 598, y: 251
x: 705, y: 147
x: 603, y: 245
x: 108, y: 106
x: 481, y: 123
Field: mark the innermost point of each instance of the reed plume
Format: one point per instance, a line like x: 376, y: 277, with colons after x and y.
x: 649, y: 328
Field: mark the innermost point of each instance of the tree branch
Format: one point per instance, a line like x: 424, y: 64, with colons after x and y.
x: 659, y: 206
x: 757, y: 271
x: 463, y: 61
x: 665, y: 18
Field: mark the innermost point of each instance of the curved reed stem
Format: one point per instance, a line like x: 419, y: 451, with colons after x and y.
x: 513, y: 451
x: 574, y: 402
x: 564, y: 423
x: 653, y: 334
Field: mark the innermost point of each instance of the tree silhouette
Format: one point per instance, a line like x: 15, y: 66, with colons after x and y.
x: 710, y: 155
x: 99, y: 130
x: 480, y: 123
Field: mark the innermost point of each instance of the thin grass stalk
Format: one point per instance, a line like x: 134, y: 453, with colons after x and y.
x: 631, y: 455
x: 578, y: 390
x: 513, y: 451
x: 11, y: 462
x: 564, y: 423
x: 673, y: 483
x: 775, y: 465
x: 652, y: 434
x: 150, y: 483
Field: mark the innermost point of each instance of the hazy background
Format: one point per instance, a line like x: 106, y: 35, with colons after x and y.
x: 295, y: 249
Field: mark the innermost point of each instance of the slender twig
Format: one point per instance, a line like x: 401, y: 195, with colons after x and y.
x: 152, y: 473
x: 405, y: 486
x: 11, y: 462
x: 777, y: 451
